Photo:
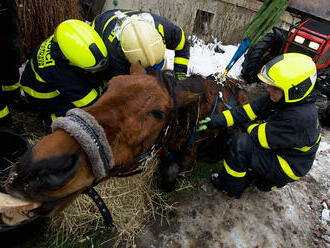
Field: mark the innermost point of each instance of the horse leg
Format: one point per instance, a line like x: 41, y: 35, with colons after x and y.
x: 168, y: 172
x: 188, y: 158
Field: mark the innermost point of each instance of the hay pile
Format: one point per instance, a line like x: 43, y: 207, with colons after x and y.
x: 132, y: 201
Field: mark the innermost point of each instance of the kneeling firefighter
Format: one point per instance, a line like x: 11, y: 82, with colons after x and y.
x: 283, y: 131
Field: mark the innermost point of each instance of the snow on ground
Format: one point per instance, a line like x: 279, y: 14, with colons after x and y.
x: 205, y: 61
x: 296, y: 215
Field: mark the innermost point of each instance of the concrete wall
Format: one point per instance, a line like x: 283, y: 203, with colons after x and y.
x: 222, y: 19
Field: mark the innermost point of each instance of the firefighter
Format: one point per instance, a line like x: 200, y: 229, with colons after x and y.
x: 131, y: 35
x: 283, y: 131
x: 61, y: 74
x: 10, y: 60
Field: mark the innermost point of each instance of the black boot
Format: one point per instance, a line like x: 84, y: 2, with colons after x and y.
x: 232, y: 187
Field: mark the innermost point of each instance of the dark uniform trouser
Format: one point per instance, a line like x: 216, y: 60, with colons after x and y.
x: 10, y: 58
x: 246, y: 159
x: 5, y: 120
x: 9, y: 91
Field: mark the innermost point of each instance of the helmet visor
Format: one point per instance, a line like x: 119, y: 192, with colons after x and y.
x: 264, y: 77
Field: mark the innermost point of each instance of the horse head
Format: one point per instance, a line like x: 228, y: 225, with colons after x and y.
x: 184, y: 146
x: 128, y: 118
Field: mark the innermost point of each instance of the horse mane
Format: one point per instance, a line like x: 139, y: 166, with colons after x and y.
x: 183, y: 120
x: 194, y: 83
x: 167, y: 78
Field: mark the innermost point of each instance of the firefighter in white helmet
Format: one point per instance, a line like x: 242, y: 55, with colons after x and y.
x: 132, y: 36
x: 283, y: 131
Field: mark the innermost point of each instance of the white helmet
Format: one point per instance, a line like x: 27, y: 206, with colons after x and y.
x: 140, y: 41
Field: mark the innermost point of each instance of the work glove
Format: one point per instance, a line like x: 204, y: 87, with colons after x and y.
x: 180, y: 75
x: 214, y: 121
x: 204, y: 124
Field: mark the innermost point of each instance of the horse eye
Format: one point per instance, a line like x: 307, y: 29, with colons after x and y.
x: 158, y: 114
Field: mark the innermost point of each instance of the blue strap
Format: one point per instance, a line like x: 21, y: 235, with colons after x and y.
x: 215, y: 105
x: 228, y: 106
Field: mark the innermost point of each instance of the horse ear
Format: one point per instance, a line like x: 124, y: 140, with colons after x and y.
x: 186, y: 97
x: 53, y: 179
x: 137, y: 69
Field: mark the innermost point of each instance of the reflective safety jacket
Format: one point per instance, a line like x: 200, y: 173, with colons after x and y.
x: 291, y: 131
x: 10, y: 58
x: 54, y: 87
x: 173, y: 38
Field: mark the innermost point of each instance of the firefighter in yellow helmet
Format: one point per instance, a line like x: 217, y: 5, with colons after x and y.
x: 63, y: 73
x: 132, y: 36
x: 282, y: 129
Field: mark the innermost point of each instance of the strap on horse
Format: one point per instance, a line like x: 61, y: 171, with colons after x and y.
x: 141, y: 158
x: 91, y: 137
x: 97, y: 199
x: 232, y: 101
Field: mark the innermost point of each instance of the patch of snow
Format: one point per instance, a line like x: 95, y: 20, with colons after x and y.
x: 204, y: 60
x: 325, y: 214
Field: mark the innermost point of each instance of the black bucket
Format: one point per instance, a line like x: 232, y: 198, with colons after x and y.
x: 12, y: 147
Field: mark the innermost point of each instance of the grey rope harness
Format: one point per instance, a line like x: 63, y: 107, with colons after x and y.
x: 91, y: 137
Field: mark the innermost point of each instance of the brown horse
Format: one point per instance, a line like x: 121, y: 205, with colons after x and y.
x: 128, y: 120
x: 183, y: 145
x: 133, y: 112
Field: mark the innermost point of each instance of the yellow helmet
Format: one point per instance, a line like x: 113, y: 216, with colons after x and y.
x: 81, y: 45
x: 294, y: 73
x: 140, y: 41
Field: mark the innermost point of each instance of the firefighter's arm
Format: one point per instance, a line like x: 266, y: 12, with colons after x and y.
x: 182, y: 55
x: 274, y: 135
x: 175, y: 39
x: 77, y: 88
x: 237, y: 115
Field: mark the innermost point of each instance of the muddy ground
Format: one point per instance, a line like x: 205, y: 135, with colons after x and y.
x: 286, y: 217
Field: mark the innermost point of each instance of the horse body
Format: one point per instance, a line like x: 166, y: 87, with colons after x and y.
x: 133, y: 112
